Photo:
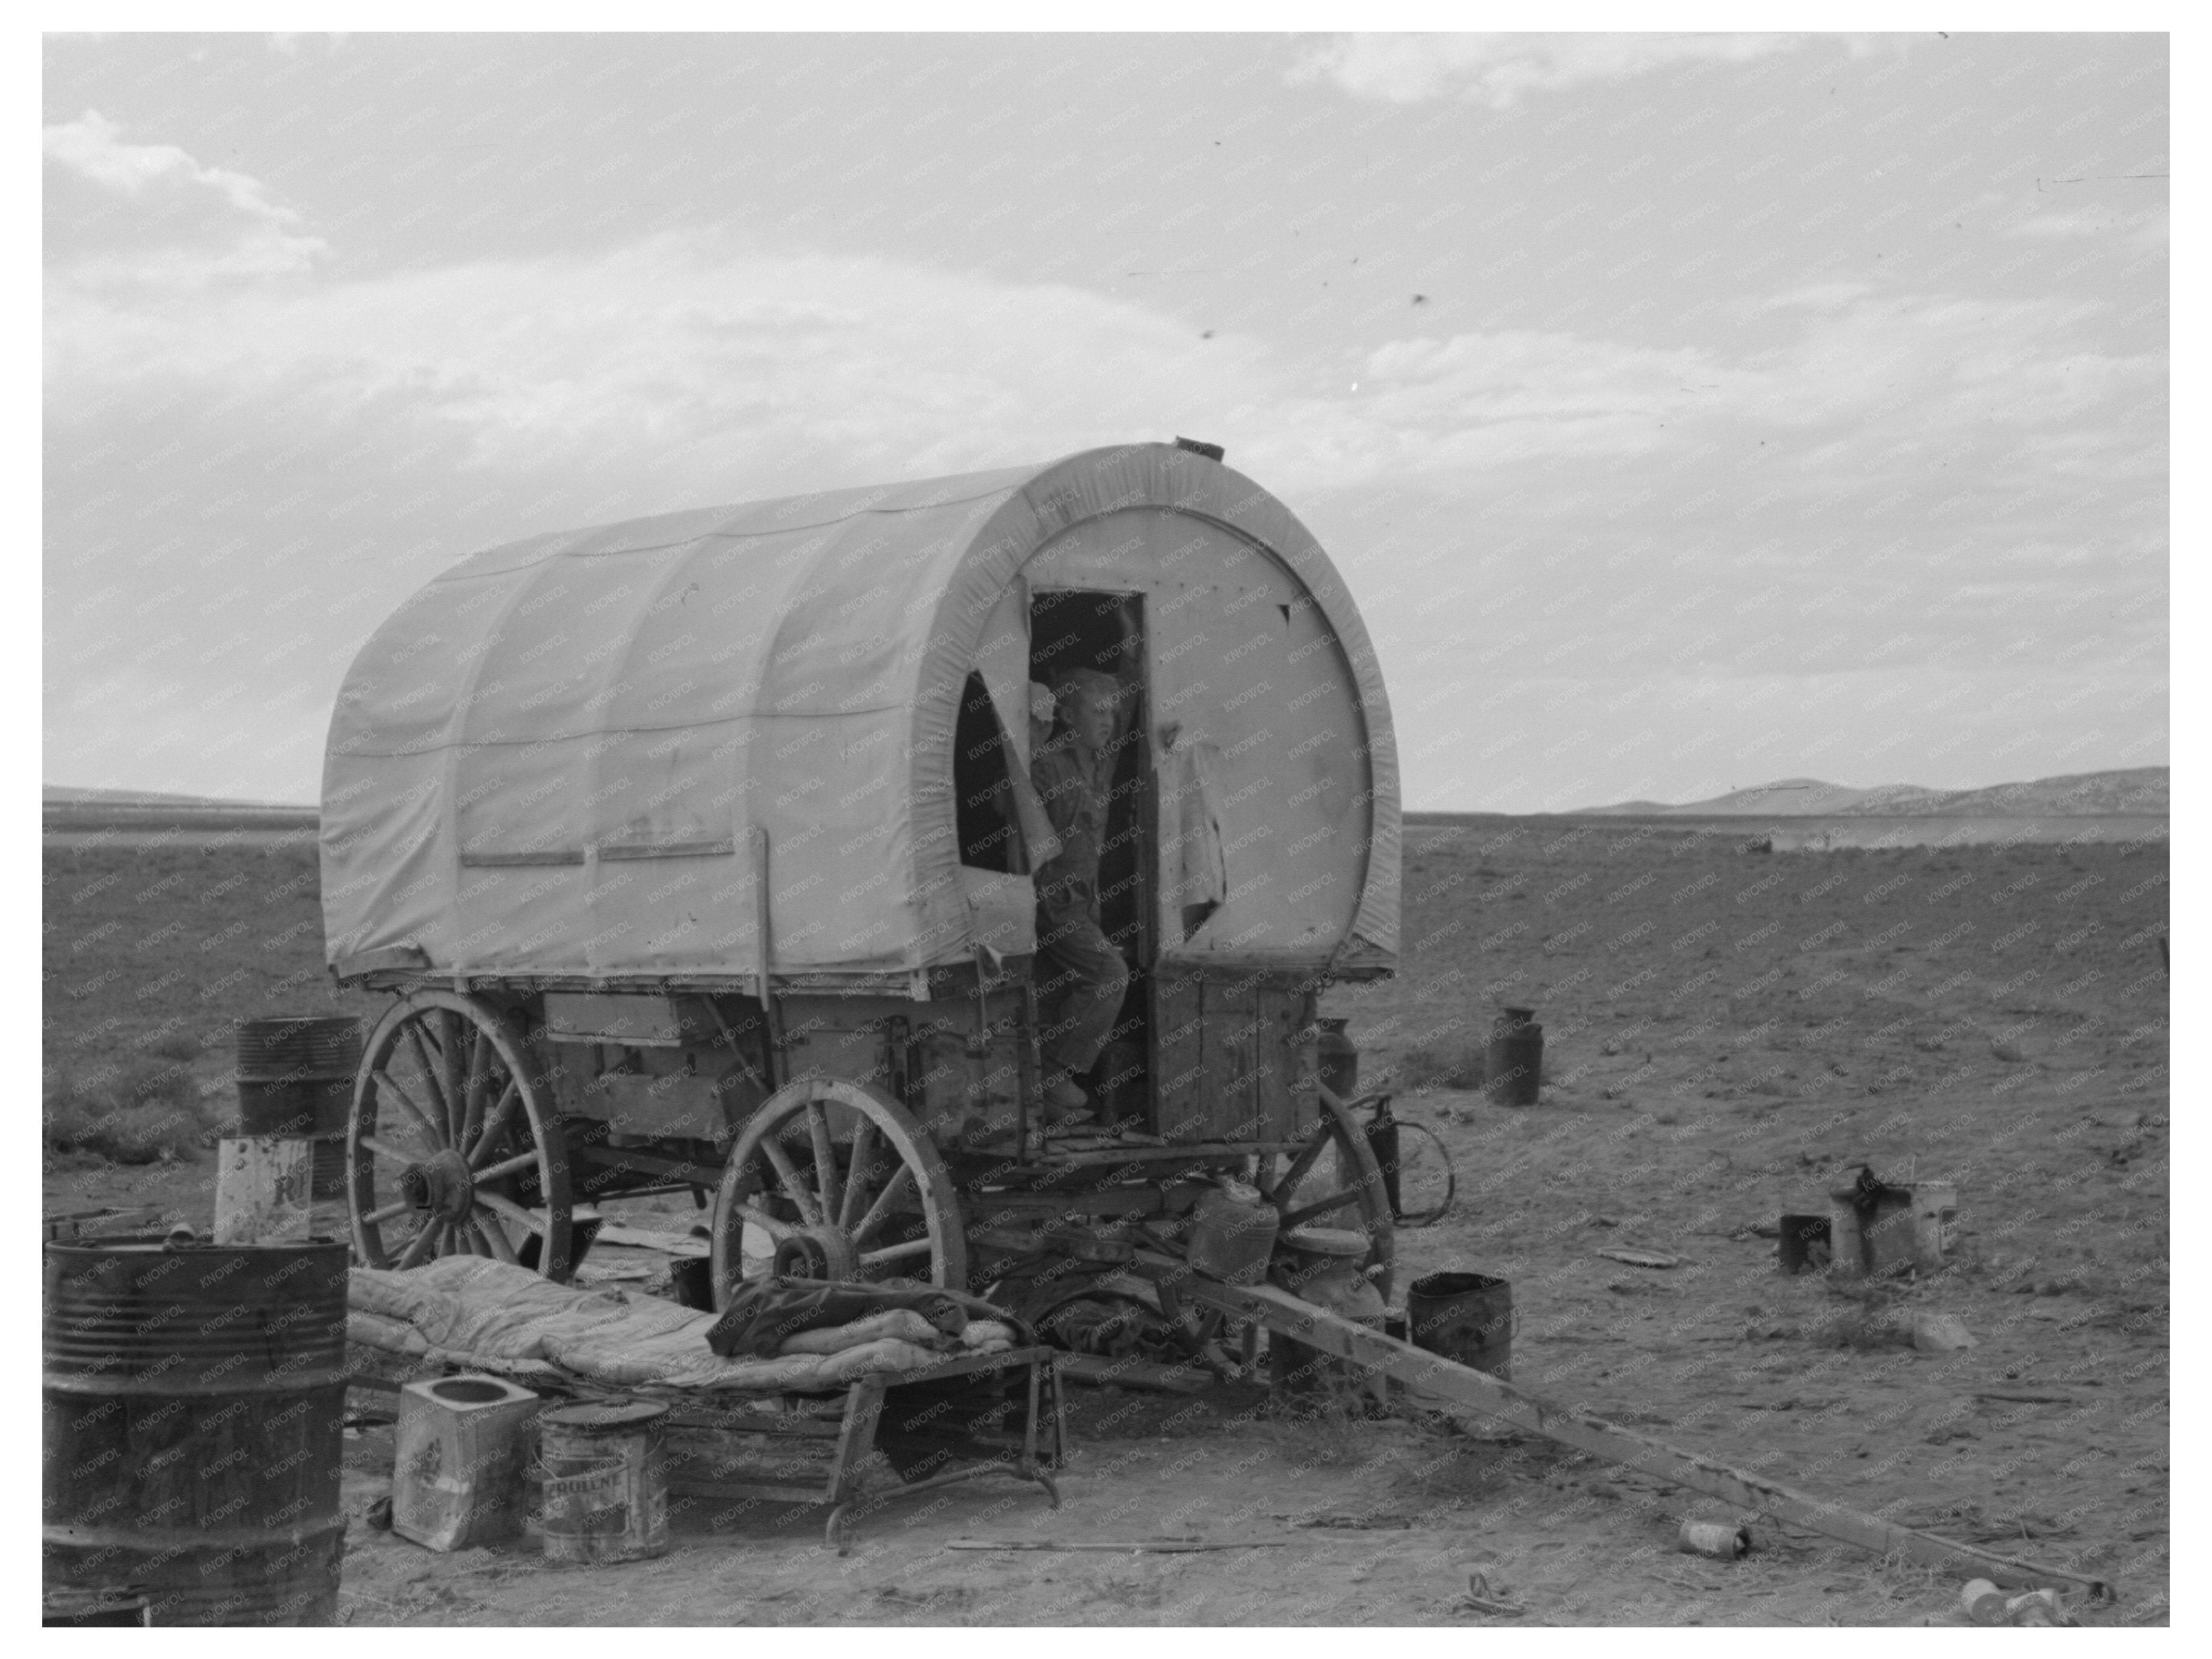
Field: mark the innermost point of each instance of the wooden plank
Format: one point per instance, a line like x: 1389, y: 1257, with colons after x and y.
x: 681, y: 1485
x: 791, y: 1427
x: 1463, y: 1388
x: 1287, y: 1098
x: 1131, y: 1547
x: 1179, y: 1070
x: 1230, y: 1039
x: 863, y: 1408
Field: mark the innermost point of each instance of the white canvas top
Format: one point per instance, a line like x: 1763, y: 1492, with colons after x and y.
x: 552, y: 760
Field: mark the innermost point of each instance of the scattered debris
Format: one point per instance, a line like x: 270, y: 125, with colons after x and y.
x: 1484, y: 1597
x: 1723, y: 1541
x: 2037, y: 1607
x: 1643, y: 1258
x: 1940, y: 1333
x: 669, y: 1244
x: 1985, y: 1604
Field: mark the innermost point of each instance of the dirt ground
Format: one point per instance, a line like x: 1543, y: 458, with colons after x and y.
x: 1729, y: 1032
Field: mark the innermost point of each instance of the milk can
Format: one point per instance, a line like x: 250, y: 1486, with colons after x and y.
x: 1321, y: 1265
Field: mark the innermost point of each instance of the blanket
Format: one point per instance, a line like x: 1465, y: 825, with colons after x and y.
x: 503, y: 1317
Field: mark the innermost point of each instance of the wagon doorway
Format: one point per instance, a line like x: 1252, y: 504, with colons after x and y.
x: 1083, y: 628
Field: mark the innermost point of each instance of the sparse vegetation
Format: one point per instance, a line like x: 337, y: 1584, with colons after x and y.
x: 131, y: 1111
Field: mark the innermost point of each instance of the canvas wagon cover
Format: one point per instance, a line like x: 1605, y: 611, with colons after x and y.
x: 552, y: 760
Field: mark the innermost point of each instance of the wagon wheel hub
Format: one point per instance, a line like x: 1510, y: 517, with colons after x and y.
x: 817, y: 1253
x: 441, y: 1184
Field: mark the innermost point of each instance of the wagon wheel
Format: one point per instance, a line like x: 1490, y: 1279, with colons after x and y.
x: 878, y: 1205
x: 1334, y: 1181
x: 452, y: 1148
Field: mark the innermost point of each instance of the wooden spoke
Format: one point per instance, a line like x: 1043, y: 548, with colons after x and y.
x: 1301, y: 1166
x: 480, y: 1058
x: 486, y: 1227
x: 793, y: 1188
x: 391, y: 1211
x: 825, y: 1157
x: 512, y: 1166
x: 879, y: 1212
x: 385, y: 1152
x: 386, y: 1081
x: 455, y: 1051
x: 427, y: 1235
x: 500, y: 1205
x: 874, y: 1258
x: 495, y: 1123
x: 858, y: 1176
x: 760, y: 1218
x: 431, y: 1070
x: 1305, y: 1213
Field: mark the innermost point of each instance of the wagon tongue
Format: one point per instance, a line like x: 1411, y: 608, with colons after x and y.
x: 441, y: 1184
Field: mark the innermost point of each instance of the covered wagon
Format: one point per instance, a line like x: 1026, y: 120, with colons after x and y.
x: 698, y: 852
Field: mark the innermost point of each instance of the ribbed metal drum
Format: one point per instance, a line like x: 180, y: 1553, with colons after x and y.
x: 193, y: 1417
x: 295, y: 1080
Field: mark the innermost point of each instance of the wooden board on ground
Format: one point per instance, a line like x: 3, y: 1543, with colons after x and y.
x: 1453, y: 1385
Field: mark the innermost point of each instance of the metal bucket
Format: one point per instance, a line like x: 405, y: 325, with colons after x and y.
x: 1803, y: 1243
x: 604, y: 1482
x: 193, y: 1419
x: 1465, y: 1317
x: 1513, y: 1063
x: 295, y: 1076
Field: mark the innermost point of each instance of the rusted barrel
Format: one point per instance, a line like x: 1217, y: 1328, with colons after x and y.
x: 1513, y: 1064
x: 295, y: 1080
x: 193, y: 1417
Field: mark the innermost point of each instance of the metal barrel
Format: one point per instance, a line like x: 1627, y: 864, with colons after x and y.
x: 295, y: 1076
x: 193, y: 1415
x: 1337, y: 1058
x: 1513, y: 1063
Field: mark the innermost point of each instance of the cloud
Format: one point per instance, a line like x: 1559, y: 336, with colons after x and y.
x: 690, y: 359
x: 1870, y: 387
x: 245, y: 475
x: 117, y: 211
x: 1498, y: 69
x: 2144, y: 228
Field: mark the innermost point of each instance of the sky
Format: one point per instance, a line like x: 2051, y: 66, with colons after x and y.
x: 1684, y: 412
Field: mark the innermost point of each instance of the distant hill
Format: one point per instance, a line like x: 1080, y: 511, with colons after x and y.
x: 68, y: 807
x: 70, y: 795
x: 2138, y: 789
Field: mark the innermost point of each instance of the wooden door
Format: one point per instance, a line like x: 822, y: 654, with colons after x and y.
x: 1235, y: 1057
